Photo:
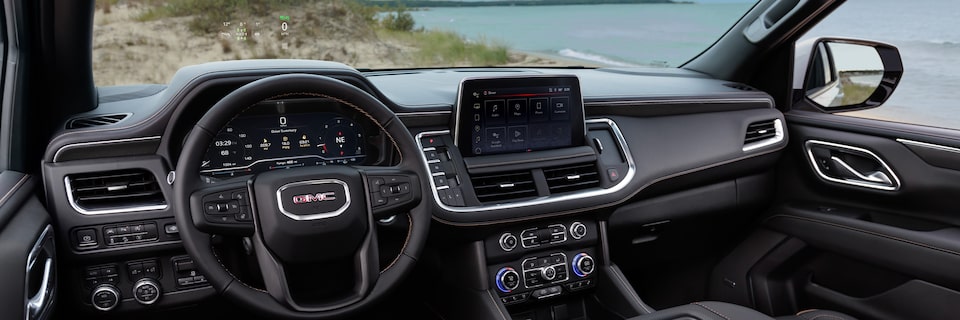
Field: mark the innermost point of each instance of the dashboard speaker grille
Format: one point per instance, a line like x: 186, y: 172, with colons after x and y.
x: 99, y: 120
x: 761, y: 130
x: 501, y: 186
x: 572, y: 177
x: 122, y: 190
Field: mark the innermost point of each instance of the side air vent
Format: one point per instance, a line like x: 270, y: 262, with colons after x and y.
x: 762, y: 133
x: 114, y: 191
x: 498, y: 187
x: 98, y: 120
x: 572, y: 177
x: 739, y: 86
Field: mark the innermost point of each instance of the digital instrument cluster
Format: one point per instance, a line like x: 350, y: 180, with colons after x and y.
x: 287, y: 134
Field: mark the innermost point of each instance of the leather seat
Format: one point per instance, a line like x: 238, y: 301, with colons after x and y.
x: 713, y: 310
x: 706, y: 310
x: 816, y: 314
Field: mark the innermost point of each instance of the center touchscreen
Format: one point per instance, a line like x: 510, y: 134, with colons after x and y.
x: 518, y: 114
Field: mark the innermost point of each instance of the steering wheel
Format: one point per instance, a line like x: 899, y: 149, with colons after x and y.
x: 307, y: 218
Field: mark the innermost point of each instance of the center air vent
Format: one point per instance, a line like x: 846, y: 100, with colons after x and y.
x: 114, y: 191
x: 98, y: 120
x: 762, y: 133
x: 502, y: 186
x: 572, y: 177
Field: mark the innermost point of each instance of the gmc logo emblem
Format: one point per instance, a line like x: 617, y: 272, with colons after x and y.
x: 319, y: 197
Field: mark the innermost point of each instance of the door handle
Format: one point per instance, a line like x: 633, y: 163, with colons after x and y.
x: 850, y: 165
x: 875, y: 177
x: 37, y: 303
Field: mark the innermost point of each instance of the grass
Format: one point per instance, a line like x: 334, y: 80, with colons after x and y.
x: 434, y: 48
x: 446, y: 48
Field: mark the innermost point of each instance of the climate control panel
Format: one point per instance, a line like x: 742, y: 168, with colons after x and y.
x: 543, y: 276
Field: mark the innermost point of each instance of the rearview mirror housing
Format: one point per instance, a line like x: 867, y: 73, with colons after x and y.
x: 840, y: 75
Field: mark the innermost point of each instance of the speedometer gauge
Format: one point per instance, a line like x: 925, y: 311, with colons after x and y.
x: 340, y: 141
x: 285, y: 134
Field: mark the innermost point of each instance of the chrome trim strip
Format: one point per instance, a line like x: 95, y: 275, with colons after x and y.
x: 316, y: 216
x: 81, y: 210
x: 678, y: 101
x: 778, y: 136
x: 422, y: 113
x: 620, y: 185
x: 929, y: 145
x: 40, y: 302
x: 865, y: 184
x: 56, y: 156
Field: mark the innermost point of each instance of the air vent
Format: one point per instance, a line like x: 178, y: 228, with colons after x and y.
x: 499, y: 187
x: 114, y: 191
x: 762, y: 133
x: 572, y: 178
x: 98, y: 120
x: 739, y: 86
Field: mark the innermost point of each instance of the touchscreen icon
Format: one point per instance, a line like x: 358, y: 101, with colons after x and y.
x: 494, y: 112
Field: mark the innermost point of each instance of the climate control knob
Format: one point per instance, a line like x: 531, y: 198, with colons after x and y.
x: 508, y: 241
x: 582, y: 264
x: 146, y: 291
x: 548, y: 273
x: 507, y: 279
x: 578, y: 230
x: 105, y: 297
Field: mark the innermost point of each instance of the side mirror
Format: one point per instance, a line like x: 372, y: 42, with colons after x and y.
x: 839, y: 75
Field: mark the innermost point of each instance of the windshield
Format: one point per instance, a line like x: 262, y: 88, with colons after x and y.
x: 147, y: 41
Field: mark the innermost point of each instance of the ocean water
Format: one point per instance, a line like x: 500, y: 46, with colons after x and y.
x: 927, y: 32
x: 609, y: 34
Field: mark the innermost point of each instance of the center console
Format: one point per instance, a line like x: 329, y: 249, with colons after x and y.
x: 526, y: 169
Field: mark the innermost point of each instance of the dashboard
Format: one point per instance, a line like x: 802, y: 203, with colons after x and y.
x: 624, y: 135
x: 282, y: 134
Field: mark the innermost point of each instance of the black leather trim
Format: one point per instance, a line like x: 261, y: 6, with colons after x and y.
x: 817, y: 314
x: 707, y: 310
x: 927, y: 255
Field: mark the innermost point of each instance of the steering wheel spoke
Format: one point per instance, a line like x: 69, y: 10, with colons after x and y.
x: 223, y: 209
x: 319, y: 285
x: 392, y: 190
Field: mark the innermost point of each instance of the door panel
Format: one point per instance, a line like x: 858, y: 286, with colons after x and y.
x: 28, y: 266
x: 866, y: 222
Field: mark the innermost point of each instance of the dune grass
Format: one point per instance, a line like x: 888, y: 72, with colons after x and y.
x: 434, y: 48
x: 447, y: 48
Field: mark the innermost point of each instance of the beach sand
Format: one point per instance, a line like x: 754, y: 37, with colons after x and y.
x: 128, y: 51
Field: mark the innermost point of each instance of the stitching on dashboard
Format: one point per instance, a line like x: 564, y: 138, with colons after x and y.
x: 711, y: 310
x: 16, y: 186
x: 814, y: 220
x: 404, y: 247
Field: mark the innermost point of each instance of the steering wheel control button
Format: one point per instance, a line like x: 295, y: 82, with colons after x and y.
x: 578, y: 230
x: 146, y: 291
x: 507, y: 279
x: 583, y: 264
x: 508, y: 241
x: 229, y: 206
x: 105, y: 297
